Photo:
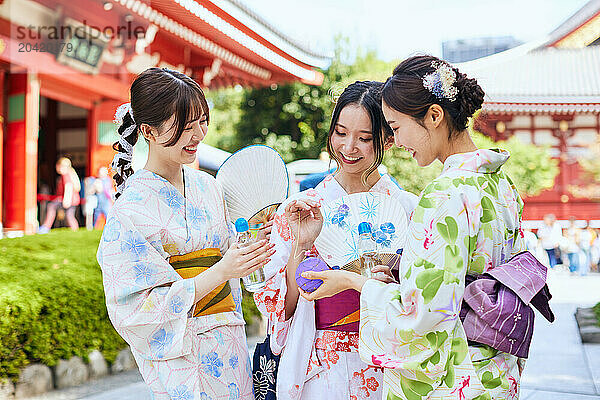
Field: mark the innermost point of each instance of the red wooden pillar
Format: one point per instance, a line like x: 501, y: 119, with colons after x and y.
x: 102, y: 133
x: 20, y: 153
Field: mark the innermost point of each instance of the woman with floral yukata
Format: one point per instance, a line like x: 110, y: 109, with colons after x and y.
x: 468, y: 220
x: 318, y: 341
x: 170, y: 272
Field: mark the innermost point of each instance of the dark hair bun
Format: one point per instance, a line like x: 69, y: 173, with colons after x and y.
x: 470, y: 98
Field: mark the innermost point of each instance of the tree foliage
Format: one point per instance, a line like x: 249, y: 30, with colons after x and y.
x: 590, y: 187
x: 294, y: 118
x: 530, y: 167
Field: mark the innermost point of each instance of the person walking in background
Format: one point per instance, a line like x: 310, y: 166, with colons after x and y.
x: 105, y: 194
x: 531, y: 241
x: 67, y: 196
x: 550, y: 235
x: 586, y: 237
x: 90, y: 201
x: 595, y: 249
x: 571, y: 245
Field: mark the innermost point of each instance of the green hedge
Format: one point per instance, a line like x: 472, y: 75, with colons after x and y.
x: 597, y: 312
x: 52, y: 303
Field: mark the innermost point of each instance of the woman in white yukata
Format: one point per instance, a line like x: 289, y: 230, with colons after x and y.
x: 468, y: 221
x: 318, y: 341
x: 170, y: 272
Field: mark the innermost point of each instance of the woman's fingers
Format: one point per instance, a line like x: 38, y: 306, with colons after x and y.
x: 381, y: 276
x: 259, y: 260
x: 314, y: 275
x: 316, y: 295
x: 306, y: 295
x: 253, y: 247
x: 255, y: 264
x: 303, y: 294
x: 264, y: 251
x: 382, y: 268
x: 264, y: 232
x: 296, y: 206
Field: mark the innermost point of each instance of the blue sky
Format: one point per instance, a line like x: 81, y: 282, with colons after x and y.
x: 398, y: 28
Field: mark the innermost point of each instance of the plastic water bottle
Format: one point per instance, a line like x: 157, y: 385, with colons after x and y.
x: 367, y: 248
x: 256, y: 280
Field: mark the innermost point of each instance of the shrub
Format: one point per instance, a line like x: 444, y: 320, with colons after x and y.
x: 52, y: 303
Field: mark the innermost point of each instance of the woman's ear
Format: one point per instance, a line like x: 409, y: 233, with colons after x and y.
x: 434, y: 116
x: 146, y: 131
x: 388, y: 143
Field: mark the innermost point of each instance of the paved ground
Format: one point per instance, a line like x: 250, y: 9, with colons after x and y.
x: 560, y: 367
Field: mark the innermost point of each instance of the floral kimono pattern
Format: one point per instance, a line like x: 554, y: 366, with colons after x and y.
x: 316, y: 362
x: 150, y: 304
x: 468, y: 220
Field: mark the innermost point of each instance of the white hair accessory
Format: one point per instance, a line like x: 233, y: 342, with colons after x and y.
x: 127, y: 154
x: 441, y: 81
x: 121, y: 111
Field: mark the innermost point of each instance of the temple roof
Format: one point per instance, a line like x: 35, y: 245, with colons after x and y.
x: 229, y: 33
x: 301, y: 51
x: 549, y: 75
x: 579, y: 30
x: 559, y: 73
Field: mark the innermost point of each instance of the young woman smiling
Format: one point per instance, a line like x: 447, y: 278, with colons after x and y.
x: 467, y: 222
x: 319, y: 357
x: 169, y: 293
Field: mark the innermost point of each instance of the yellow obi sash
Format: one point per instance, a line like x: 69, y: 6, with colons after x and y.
x: 191, y: 264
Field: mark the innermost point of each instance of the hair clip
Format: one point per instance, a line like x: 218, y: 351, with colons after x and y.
x: 441, y: 81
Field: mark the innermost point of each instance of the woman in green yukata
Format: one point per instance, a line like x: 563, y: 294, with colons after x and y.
x: 169, y: 263
x: 468, y: 220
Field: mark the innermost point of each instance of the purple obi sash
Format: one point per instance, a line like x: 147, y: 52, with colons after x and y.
x: 496, y: 308
x: 340, y: 312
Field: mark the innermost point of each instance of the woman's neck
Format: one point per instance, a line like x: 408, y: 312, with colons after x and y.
x: 461, y: 144
x: 352, y: 183
x: 173, y: 172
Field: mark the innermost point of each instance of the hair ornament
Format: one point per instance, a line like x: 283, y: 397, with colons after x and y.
x: 336, y: 91
x: 441, y: 81
x: 122, y: 159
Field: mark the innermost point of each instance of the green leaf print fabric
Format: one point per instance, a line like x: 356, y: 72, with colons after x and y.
x: 467, y: 221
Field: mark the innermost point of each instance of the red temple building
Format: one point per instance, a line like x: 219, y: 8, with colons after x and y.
x: 66, y: 65
x: 548, y: 93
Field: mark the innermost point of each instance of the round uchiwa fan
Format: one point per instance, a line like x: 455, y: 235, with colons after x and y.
x: 338, y: 242
x: 255, y: 182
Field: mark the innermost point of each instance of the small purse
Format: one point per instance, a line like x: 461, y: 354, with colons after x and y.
x: 264, y: 371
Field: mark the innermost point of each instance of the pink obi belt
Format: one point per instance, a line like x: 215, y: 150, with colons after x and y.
x: 339, y: 313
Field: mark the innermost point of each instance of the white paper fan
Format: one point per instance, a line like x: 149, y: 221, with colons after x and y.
x: 338, y: 242
x: 253, y: 178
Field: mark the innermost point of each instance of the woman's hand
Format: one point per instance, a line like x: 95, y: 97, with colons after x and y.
x: 334, y: 282
x: 242, y: 261
x: 305, y: 220
x: 383, y: 273
x: 264, y: 232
